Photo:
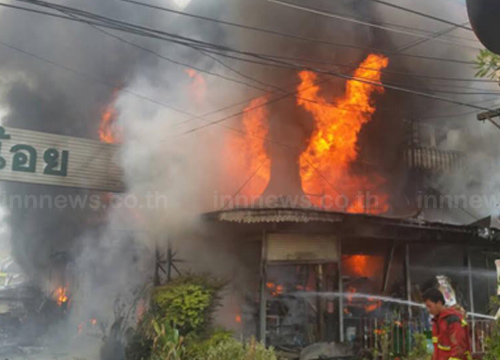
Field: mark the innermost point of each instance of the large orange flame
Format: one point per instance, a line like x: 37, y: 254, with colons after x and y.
x: 324, y: 165
x: 109, y: 130
x: 248, y: 154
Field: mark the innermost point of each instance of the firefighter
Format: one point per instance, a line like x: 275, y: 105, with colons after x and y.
x: 450, y: 333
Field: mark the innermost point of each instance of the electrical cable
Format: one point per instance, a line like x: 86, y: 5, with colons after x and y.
x: 365, y: 23
x: 269, y: 31
x: 180, y: 63
x: 392, y: 72
x: 206, y: 46
x: 402, y: 8
x: 352, y: 78
x: 385, y: 52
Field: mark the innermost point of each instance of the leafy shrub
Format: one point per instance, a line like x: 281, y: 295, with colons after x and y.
x: 235, y: 350
x: 419, y: 351
x: 493, y: 342
x: 179, y: 320
x: 167, y: 343
x: 188, y: 302
x: 197, y: 347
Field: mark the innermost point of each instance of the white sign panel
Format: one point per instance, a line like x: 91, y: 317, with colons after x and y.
x: 49, y: 159
x: 302, y: 248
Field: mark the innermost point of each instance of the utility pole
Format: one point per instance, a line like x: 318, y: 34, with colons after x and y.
x: 165, y: 265
x: 488, y: 115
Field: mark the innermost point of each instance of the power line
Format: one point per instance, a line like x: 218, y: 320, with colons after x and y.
x: 461, y: 114
x: 423, y: 41
x: 288, y: 65
x: 124, y: 26
x: 215, y: 48
x: 393, y: 87
x: 405, y: 9
x: 284, y: 64
x: 124, y: 91
x: 180, y: 63
x: 392, y: 72
x: 245, y: 183
x: 115, y: 87
x: 140, y: 47
x: 268, y: 31
x: 278, y: 33
x: 295, y: 58
x: 365, y: 23
x: 246, y: 76
x: 196, y: 45
x: 93, y: 78
x: 221, y: 50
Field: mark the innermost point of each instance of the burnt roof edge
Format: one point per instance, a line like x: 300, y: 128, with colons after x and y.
x: 291, y: 215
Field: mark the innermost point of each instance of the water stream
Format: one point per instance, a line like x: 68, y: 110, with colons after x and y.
x: 387, y: 299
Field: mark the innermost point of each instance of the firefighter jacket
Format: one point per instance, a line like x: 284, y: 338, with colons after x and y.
x: 450, y: 335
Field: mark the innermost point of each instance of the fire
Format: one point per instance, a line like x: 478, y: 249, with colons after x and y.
x: 249, y: 154
x: 62, y: 297
x: 370, y: 304
x: 109, y: 130
x: 333, y: 144
x: 198, y: 87
x: 238, y: 318
x: 275, y: 289
x: 84, y: 325
x: 351, y: 291
x: 360, y: 265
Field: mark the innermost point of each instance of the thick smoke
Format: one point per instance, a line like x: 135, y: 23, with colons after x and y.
x: 470, y: 192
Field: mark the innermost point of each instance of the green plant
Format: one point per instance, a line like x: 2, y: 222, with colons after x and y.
x: 493, y: 342
x: 488, y: 65
x: 383, y: 342
x: 197, y: 347
x: 235, y: 350
x: 188, y: 302
x: 419, y: 351
x: 167, y: 342
x: 179, y: 321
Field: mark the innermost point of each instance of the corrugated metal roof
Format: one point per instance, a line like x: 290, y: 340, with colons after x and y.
x: 251, y: 216
x: 280, y: 215
x: 412, y: 229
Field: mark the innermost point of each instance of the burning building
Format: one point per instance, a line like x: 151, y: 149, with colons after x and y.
x: 323, y: 175
x: 330, y: 276
x: 330, y: 253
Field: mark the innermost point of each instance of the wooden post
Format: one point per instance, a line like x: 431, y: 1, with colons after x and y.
x: 387, y: 266
x: 263, y: 297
